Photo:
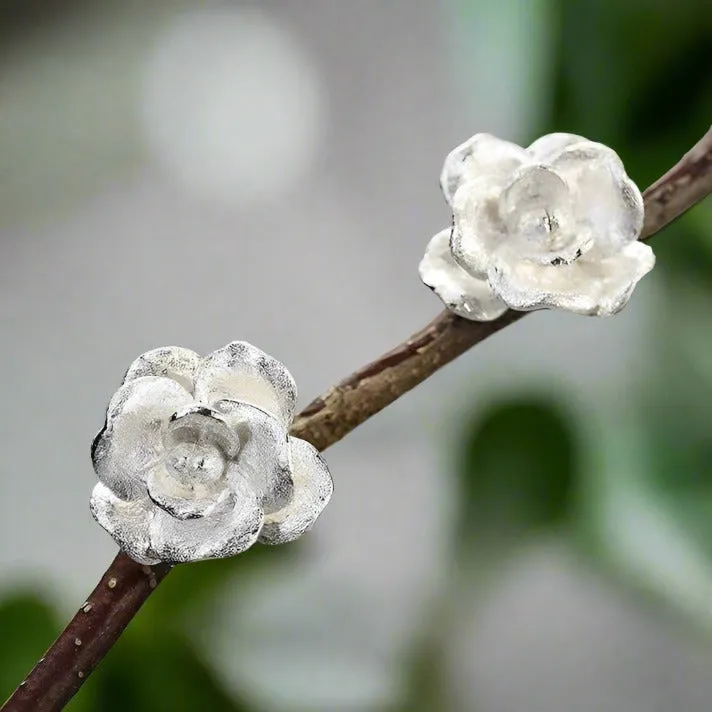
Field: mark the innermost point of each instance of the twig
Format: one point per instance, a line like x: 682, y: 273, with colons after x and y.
x: 685, y: 184
x: 370, y: 389
x: 348, y: 404
x: 127, y: 584
x: 98, y: 623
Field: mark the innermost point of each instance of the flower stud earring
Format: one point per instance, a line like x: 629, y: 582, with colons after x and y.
x: 552, y: 226
x: 195, y: 460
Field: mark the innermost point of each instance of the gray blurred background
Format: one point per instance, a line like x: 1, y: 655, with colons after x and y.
x: 191, y: 173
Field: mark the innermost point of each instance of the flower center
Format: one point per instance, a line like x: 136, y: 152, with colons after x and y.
x: 544, y: 228
x: 537, y: 213
x: 192, y: 463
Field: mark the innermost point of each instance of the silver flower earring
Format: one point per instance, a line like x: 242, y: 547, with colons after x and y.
x: 552, y: 226
x: 195, y: 460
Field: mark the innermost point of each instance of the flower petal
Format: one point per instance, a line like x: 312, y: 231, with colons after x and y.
x: 597, y: 284
x: 168, y: 361
x: 606, y: 202
x: 184, y: 501
x: 227, y: 532
x: 242, y: 372
x: 464, y: 294
x: 548, y: 147
x: 127, y: 522
x: 201, y: 425
x: 263, y: 458
x: 131, y: 440
x: 312, y: 490
x: 478, y: 226
x: 479, y: 156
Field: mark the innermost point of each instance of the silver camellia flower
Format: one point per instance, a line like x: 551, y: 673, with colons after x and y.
x: 552, y: 226
x: 195, y: 460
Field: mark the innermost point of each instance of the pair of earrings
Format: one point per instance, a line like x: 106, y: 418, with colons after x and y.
x: 195, y: 460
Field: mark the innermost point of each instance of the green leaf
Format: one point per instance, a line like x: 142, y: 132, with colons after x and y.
x: 155, y: 665
x: 192, y: 586
x: 28, y: 626
x: 635, y: 76
x: 156, y: 670
x: 518, y: 470
x: 652, y: 537
x: 427, y: 681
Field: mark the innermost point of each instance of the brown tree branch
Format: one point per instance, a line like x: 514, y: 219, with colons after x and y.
x: 348, y: 404
x: 92, y: 632
x: 126, y: 584
x: 364, y: 393
x: 685, y: 184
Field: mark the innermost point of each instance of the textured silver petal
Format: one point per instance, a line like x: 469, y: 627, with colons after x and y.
x: 606, y: 202
x: 263, y: 459
x: 131, y: 441
x: 227, y: 532
x: 596, y: 285
x: 478, y: 226
x: 183, y: 481
x: 242, y: 372
x: 547, y: 148
x: 481, y: 155
x: 312, y: 490
x: 551, y: 226
x: 127, y: 522
x: 168, y: 361
x: 199, y: 424
x: 462, y: 293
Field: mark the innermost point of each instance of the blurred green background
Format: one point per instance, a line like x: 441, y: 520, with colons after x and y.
x: 625, y: 487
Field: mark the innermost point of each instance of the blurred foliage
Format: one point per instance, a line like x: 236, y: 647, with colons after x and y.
x: 155, y: 654
x: 633, y: 493
x: 636, y: 75
x: 28, y: 625
x: 518, y: 469
x: 637, y: 496
x: 155, y: 668
x: 192, y: 587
